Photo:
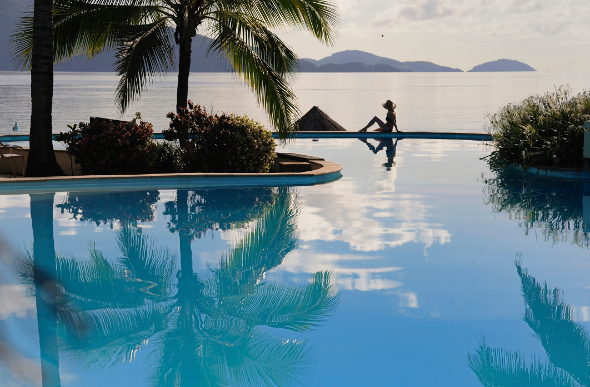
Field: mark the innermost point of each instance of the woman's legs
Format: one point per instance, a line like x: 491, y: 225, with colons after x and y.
x: 382, y: 125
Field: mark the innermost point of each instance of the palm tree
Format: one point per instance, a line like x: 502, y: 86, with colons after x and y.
x: 41, y: 160
x: 144, y: 33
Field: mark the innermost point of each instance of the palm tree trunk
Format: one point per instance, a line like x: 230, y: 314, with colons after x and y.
x: 184, y: 69
x: 46, y: 287
x: 186, y: 253
x: 41, y: 160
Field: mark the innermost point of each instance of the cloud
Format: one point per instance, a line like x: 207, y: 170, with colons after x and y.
x: 495, y: 18
x: 426, y: 10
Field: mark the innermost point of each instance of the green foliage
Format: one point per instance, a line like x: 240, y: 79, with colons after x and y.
x: 107, y: 148
x: 542, y: 131
x: 170, y: 158
x: 222, y: 143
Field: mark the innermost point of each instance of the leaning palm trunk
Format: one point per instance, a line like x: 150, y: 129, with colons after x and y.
x: 41, y: 161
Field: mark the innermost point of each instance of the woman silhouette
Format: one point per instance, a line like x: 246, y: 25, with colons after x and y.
x: 391, y: 119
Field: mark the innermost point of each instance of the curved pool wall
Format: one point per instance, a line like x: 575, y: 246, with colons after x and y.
x: 323, y: 172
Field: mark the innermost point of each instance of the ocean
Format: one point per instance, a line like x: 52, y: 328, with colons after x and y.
x: 425, y: 101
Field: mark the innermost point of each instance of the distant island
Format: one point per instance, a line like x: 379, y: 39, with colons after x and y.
x: 352, y: 67
x: 360, y: 61
x: 502, y: 65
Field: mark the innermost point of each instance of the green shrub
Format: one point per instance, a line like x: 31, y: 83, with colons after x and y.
x: 107, y: 148
x: 222, y: 143
x: 542, y: 131
x: 170, y: 158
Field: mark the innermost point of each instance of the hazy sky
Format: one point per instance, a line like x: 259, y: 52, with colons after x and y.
x: 548, y: 35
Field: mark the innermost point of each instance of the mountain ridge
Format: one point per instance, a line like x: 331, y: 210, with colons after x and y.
x: 357, y: 56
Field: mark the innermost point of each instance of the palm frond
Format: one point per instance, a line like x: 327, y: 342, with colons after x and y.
x: 20, y: 44
x: 147, y: 261
x: 320, y: 17
x: 113, y: 335
x: 500, y: 368
x: 264, y: 61
x: 144, y: 52
x: 79, y: 28
x: 267, y: 360
x: 282, y: 306
x: 262, y: 249
x: 567, y: 343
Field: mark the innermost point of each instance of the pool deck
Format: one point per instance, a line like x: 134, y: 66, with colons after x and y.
x: 323, y: 172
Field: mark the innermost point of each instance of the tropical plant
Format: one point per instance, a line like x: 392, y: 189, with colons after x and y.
x: 222, y: 143
x: 554, y: 208
x: 144, y: 32
x: 107, y: 148
x: 565, y: 341
x: 542, y: 131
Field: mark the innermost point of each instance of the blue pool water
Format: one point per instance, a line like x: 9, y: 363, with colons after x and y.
x: 427, y: 269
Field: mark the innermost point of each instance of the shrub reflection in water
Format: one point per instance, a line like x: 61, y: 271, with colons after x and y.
x: 555, y: 207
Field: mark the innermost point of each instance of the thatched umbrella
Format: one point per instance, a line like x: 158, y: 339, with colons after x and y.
x: 316, y: 120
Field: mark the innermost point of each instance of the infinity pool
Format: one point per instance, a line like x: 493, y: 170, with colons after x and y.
x: 419, y: 267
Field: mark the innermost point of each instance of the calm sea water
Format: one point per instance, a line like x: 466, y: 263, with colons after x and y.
x: 425, y: 101
x: 419, y: 267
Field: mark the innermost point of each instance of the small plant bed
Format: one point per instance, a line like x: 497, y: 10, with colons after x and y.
x: 196, y: 142
x: 545, y: 132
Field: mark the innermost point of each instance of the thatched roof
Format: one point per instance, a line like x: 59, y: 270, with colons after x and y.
x: 316, y: 120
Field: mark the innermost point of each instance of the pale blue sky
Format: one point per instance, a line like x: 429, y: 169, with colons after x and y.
x: 548, y: 35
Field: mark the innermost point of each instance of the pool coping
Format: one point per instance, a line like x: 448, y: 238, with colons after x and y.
x: 424, y: 135
x: 323, y: 172
x: 559, y: 174
x: 347, y: 134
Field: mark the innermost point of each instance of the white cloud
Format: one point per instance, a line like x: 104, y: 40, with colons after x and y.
x: 14, y: 302
x: 426, y: 10
x: 461, y: 33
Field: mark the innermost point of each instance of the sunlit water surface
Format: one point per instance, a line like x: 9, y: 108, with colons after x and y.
x: 423, y: 269
x: 425, y: 101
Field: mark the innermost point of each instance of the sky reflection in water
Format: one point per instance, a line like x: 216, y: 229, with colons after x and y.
x: 402, y: 271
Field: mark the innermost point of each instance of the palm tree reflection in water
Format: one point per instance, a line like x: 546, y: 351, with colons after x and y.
x: 566, y: 343
x: 207, y: 328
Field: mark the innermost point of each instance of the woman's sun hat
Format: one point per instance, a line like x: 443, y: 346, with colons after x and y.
x: 388, y: 105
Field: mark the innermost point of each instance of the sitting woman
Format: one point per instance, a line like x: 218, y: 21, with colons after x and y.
x: 391, y: 121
